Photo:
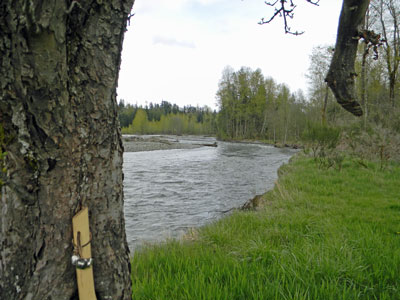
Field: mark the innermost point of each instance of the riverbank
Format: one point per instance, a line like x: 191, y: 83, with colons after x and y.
x: 170, y: 191
x: 136, y: 143
x: 266, y: 142
x: 322, y: 234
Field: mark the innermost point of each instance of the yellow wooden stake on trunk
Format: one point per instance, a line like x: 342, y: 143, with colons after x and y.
x: 80, y: 226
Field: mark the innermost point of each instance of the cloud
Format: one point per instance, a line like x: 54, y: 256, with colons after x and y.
x: 208, y: 2
x: 172, y: 42
x: 174, y: 6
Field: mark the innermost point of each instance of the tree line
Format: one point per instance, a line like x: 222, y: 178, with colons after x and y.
x: 252, y: 106
x: 166, y: 118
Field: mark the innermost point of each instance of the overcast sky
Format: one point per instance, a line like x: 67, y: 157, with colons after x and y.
x: 175, y: 50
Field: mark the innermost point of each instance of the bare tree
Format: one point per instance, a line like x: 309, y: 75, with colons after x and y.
x: 365, y: 63
x: 388, y: 12
x: 320, y: 59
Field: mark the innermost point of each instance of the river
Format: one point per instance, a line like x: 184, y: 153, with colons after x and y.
x: 170, y: 191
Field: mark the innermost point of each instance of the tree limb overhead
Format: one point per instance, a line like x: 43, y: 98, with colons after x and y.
x: 341, y: 72
x: 286, y: 13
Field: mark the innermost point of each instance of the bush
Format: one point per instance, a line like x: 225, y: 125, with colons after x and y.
x: 376, y: 144
x: 320, y: 138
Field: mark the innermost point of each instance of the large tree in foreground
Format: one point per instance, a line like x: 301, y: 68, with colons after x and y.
x: 58, y: 117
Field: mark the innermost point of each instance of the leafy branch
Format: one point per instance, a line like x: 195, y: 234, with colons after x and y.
x: 281, y: 10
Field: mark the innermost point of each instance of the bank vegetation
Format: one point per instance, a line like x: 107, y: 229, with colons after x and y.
x: 322, y: 233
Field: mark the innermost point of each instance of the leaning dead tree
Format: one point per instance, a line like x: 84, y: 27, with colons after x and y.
x: 341, y: 74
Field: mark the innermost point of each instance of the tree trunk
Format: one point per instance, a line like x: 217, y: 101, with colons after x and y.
x: 391, y: 42
x: 264, y: 125
x: 392, y: 87
x: 341, y: 72
x: 324, y: 106
x: 58, y: 109
x: 364, y: 95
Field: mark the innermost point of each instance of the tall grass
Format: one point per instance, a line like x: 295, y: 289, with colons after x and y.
x: 322, y: 234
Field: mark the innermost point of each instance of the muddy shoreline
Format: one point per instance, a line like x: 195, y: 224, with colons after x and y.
x: 134, y: 143
x: 137, y: 143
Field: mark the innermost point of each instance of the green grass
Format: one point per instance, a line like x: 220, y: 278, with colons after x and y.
x: 323, y: 234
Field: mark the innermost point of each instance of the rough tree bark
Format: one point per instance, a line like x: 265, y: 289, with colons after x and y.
x: 340, y: 77
x: 59, y: 68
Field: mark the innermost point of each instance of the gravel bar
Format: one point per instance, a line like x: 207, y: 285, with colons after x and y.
x: 138, y: 143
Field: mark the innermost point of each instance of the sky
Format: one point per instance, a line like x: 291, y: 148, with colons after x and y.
x: 176, y: 50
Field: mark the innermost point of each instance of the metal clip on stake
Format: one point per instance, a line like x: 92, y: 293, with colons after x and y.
x: 76, y: 259
x: 81, y: 263
x: 82, y: 256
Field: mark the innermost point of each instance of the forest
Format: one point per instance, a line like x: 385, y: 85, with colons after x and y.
x: 254, y: 106
x: 166, y: 118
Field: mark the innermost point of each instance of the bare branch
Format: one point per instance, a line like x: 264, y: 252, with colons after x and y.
x: 313, y: 2
x: 277, y: 11
x: 129, y: 19
x: 271, y: 4
x: 285, y: 12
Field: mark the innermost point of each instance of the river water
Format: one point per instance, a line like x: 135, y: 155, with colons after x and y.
x: 168, y: 192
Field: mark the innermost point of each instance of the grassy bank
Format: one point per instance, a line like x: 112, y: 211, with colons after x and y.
x: 323, y: 234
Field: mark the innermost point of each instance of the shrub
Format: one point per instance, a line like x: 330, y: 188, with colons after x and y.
x: 377, y: 144
x: 322, y: 140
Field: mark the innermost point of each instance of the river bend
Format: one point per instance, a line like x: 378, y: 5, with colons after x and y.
x: 169, y: 191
